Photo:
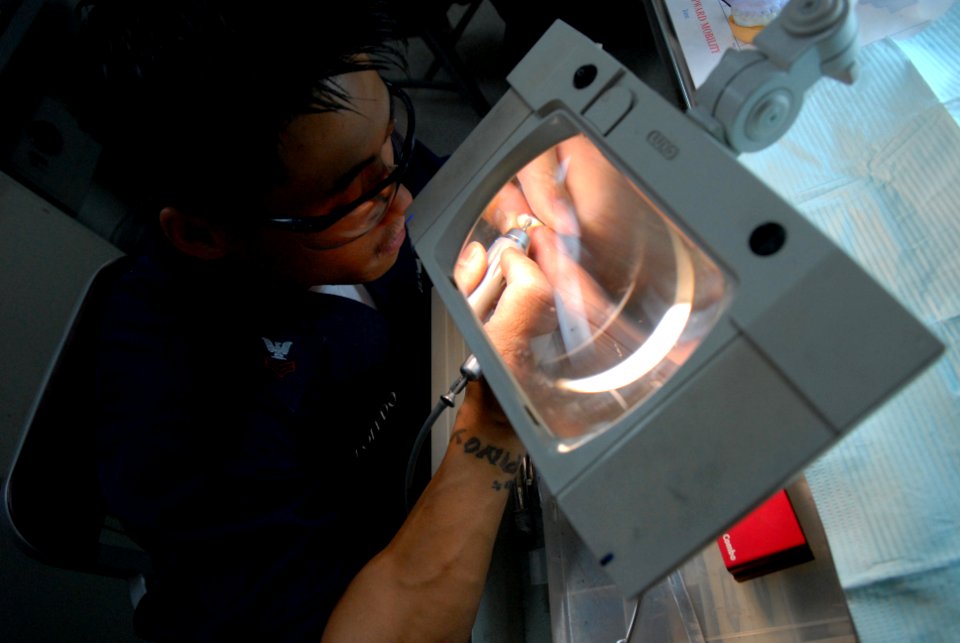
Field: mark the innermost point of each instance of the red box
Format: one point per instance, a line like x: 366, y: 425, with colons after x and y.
x: 768, y: 539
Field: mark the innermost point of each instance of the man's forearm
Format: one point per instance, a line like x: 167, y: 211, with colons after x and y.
x: 426, y: 585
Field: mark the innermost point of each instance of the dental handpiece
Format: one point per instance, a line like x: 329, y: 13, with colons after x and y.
x: 483, y: 299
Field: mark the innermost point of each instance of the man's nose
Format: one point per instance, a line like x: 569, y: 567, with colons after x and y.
x: 403, y: 198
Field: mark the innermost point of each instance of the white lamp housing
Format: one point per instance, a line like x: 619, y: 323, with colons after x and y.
x: 710, y: 341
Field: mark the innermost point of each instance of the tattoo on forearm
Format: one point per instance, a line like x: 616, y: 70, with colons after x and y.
x: 495, y: 455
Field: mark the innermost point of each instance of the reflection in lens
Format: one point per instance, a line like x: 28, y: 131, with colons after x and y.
x: 634, y: 297
x: 661, y: 341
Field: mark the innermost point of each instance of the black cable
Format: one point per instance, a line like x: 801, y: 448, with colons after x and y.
x: 469, y: 372
x: 414, y: 458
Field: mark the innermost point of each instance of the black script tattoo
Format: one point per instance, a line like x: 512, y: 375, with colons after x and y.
x: 500, y: 486
x: 497, y: 456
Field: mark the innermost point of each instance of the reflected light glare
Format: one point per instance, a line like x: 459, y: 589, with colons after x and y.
x: 644, y: 360
x: 568, y: 446
x: 663, y: 339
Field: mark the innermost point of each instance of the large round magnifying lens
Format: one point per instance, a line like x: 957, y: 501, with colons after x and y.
x: 633, y: 296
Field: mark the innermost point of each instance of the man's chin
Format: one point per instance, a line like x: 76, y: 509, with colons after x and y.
x: 394, y: 241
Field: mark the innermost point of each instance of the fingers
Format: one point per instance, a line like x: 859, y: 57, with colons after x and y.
x: 470, y: 267
x: 543, y: 181
x: 524, y: 311
x: 519, y: 270
x: 503, y: 211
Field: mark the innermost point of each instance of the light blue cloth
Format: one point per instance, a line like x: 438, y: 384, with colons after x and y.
x: 876, y: 167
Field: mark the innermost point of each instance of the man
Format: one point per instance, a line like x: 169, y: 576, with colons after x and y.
x: 260, y: 368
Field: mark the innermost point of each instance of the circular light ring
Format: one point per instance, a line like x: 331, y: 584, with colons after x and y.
x: 661, y: 341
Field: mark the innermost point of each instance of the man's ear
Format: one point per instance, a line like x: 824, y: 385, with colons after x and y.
x: 194, y: 236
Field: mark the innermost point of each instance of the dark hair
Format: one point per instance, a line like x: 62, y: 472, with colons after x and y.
x: 193, y: 94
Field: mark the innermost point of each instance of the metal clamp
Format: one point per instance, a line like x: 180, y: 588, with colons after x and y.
x: 753, y: 96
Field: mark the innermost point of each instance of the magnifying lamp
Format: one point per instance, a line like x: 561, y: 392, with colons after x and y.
x: 708, y: 342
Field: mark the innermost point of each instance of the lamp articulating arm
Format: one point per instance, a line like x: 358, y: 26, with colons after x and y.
x: 753, y: 96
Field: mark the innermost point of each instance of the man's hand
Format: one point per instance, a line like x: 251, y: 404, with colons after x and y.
x: 427, y: 583
x: 525, y: 309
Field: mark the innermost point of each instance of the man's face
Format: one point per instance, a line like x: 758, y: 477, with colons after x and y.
x: 330, y: 159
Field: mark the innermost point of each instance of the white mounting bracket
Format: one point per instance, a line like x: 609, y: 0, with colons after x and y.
x: 753, y: 96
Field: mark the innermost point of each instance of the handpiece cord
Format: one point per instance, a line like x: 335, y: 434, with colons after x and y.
x: 481, y: 301
x: 469, y: 372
